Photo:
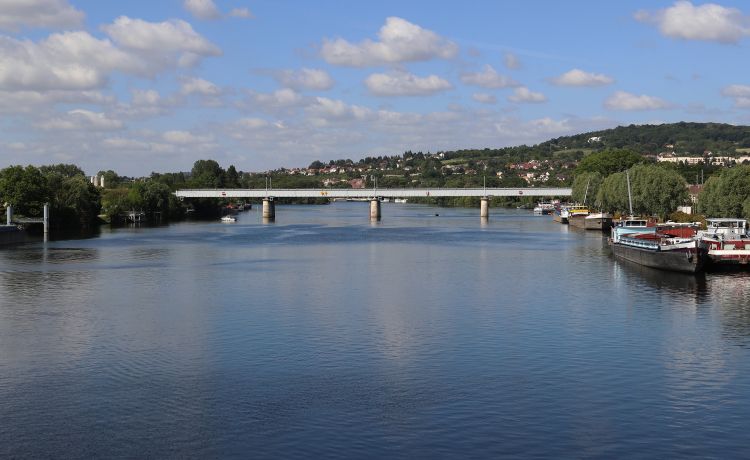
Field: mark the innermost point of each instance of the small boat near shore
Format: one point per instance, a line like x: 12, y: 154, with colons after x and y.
x: 228, y: 219
x: 544, y: 208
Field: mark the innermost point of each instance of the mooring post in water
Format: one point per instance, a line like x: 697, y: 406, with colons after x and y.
x: 46, y: 218
x: 484, y: 207
x: 269, y: 209
x: 9, y: 214
x: 375, y: 208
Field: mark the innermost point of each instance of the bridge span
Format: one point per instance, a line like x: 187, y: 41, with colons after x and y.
x: 374, y: 194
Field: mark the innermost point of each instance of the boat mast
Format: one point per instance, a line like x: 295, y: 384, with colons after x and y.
x: 630, y: 197
x: 586, y: 194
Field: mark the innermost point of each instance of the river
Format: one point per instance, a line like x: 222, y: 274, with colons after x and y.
x: 325, y: 335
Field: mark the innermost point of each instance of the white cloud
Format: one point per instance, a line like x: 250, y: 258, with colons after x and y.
x: 739, y: 93
x: 523, y: 94
x: 405, y: 84
x: 577, y: 77
x: 161, y: 40
x: 193, y: 85
x: 185, y: 138
x: 285, y: 99
x: 488, y: 78
x: 79, y: 119
x: 707, y: 22
x: 511, y: 61
x: 22, y: 101
x: 622, y: 100
x: 334, y: 109
x: 399, y: 41
x: 70, y: 60
x: 55, y: 14
x: 243, y: 13
x: 305, y: 79
x: 202, y: 9
x: 484, y: 98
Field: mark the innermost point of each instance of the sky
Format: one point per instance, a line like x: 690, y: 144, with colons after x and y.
x: 144, y: 86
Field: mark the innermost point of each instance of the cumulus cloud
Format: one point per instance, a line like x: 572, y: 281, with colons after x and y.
x: 305, y: 79
x: 523, y: 94
x: 193, y: 85
x: 70, y: 60
x: 334, y: 109
x: 708, y: 22
x: 488, y: 78
x: 79, y: 119
x: 622, y: 100
x: 202, y: 9
x: 53, y: 14
x: 511, y: 61
x: 405, y: 84
x: 284, y: 99
x: 161, y: 40
x: 484, y: 98
x: 26, y: 102
x: 739, y: 93
x: 578, y: 77
x: 79, y: 61
x: 399, y: 41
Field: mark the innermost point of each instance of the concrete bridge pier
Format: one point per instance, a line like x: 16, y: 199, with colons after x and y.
x: 269, y: 209
x: 45, y: 221
x: 9, y: 214
x: 484, y: 207
x: 375, y: 209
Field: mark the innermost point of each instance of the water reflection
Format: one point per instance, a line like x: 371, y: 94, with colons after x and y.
x: 325, y: 334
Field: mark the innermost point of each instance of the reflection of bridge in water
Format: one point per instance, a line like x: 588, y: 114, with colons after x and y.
x: 374, y: 195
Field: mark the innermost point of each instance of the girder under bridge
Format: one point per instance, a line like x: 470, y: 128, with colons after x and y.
x: 268, y: 195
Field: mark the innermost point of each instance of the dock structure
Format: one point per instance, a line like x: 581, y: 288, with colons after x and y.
x: 374, y: 195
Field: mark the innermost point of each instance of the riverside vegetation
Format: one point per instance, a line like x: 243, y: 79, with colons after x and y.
x: 594, y: 164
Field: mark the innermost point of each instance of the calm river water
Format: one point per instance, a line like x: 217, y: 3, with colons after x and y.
x: 324, y: 335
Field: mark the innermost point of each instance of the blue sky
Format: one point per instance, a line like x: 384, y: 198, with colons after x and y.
x: 144, y: 86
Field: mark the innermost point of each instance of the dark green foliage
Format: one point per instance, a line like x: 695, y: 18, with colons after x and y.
x: 583, y: 181
x: 207, y: 174
x: 726, y: 194
x: 655, y: 191
x: 24, y: 188
x: 608, y: 162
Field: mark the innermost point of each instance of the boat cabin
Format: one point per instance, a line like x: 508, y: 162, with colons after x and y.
x: 726, y: 226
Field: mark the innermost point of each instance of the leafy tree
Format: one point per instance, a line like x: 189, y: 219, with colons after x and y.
x: 586, y: 186
x: 726, y: 193
x: 232, y: 178
x: 24, y: 188
x: 207, y: 174
x: 609, y: 162
x: 654, y: 190
x: 64, y: 170
x: 76, y: 202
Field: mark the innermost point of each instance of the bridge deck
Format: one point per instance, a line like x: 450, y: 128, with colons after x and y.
x: 367, y: 193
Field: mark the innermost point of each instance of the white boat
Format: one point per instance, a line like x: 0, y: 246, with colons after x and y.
x: 229, y: 219
x: 400, y: 200
x: 727, y: 240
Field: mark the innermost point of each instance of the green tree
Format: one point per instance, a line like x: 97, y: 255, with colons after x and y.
x: 24, y: 188
x: 654, y: 190
x: 608, y: 162
x: 586, y: 186
x: 207, y: 174
x: 726, y: 193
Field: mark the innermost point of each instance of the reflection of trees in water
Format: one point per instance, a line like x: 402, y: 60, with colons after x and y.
x: 731, y: 292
